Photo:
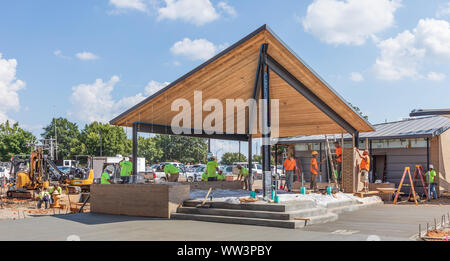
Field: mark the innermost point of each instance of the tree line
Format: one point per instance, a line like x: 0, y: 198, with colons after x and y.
x: 97, y: 139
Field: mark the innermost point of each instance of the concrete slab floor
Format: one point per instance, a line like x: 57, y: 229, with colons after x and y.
x: 386, y: 222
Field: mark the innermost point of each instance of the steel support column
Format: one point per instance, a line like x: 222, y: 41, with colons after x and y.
x: 250, y: 163
x: 266, y: 123
x: 135, y: 151
x: 428, y: 154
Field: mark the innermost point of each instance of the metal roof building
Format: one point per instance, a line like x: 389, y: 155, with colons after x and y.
x: 393, y: 146
x: 427, y: 127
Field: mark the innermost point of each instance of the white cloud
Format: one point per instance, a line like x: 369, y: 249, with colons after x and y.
x: 198, y: 12
x: 58, y: 53
x: 405, y: 55
x: 225, y: 7
x: 85, y: 56
x: 9, y: 87
x: 200, y: 49
x: 356, y: 77
x: 443, y: 10
x: 349, y: 22
x: 434, y: 76
x: 138, y: 5
x: 94, y: 102
x: 154, y: 87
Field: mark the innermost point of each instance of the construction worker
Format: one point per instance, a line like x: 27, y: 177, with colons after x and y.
x: 431, y: 174
x: 220, y: 176
x: 338, y: 161
x: 55, y: 189
x: 364, y: 168
x: 289, y: 166
x: 172, y: 173
x: 106, y: 177
x: 314, y: 170
x: 205, y: 176
x: 243, y: 173
x: 126, y: 167
x: 43, y: 196
x: 211, y: 168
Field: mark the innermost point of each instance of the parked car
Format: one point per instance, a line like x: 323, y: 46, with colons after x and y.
x: 4, y: 173
x: 256, y: 168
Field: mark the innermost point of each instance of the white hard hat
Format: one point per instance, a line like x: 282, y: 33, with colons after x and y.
x: 431, y: 166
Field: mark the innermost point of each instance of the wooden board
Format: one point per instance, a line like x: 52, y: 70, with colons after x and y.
x: 232, y: 76
x: 366, y: 194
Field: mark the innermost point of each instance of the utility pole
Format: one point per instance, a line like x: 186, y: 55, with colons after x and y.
x: 101, y: 144
x: 56, y: 137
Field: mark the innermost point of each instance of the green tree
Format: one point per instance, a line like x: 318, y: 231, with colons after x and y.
x: 67, y: 135
x: 229, y: 158
x: 13, y: 140
x: 181, y: 148
x: 148, y: 150
x: 113, y: 140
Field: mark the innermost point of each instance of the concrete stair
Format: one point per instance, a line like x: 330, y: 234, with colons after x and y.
x: 259, y: 214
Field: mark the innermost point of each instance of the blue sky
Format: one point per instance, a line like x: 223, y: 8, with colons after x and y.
x: 385, y: 56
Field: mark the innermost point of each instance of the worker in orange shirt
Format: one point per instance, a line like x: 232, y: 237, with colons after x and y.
x: 289, y: 166
x: 364, y: 168
x: 338, y: 161
x: 314, y: 170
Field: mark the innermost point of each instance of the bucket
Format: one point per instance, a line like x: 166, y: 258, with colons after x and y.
x: 329, y: 190
x: 252, y: 194
x: 277, y: 199
x: 303, y: 190
x: 273, y: 194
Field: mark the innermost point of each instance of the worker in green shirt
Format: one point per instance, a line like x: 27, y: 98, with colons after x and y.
x: 55, y: 189
x: 106, y: 177
x: 205, y: 176
x: 243, y: 174
x: 211, y: 168
x: 431, y: 174
x: 220, y: 176
x: 126, y: 167
x: 172, y: 173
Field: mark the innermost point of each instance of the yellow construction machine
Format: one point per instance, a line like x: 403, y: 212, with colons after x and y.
x: 29, y: 175
x: 79, y: 179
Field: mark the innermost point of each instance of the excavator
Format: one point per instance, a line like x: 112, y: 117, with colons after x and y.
x: 38, y: 171
x: 29, y: 175
x: 79, y: 178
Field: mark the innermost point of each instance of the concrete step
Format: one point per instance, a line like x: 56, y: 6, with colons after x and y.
x: 351, y: 208
x: 253, y: 214
x: 289, y: 206
x: 291, y: 224
x: 240, y: 220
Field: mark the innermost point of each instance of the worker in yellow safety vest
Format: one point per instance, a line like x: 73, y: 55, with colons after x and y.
x: 211, y: 168
x: 54, y: 190
x: 43, y: 196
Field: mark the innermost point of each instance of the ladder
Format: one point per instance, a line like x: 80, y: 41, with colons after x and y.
x: 333, y: 169
x: 418, y: 171
x: 407, y: 170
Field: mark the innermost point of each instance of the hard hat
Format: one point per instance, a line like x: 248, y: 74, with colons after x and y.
x: 431, y: 166
x: 210, y: 155
x: 315, y: 153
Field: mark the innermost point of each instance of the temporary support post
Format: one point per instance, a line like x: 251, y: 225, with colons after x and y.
x: 135, y: 151
x: 266, y: 133
x: 357, y: 140
x: 250, y: 163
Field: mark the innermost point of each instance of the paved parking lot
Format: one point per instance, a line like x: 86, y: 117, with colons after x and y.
x: 386, y: 222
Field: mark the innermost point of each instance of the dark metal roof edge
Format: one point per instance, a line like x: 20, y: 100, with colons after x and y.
x: 317, y: 75
x: 198, y: 68
x: 430, y: 112
x: 362, y: 138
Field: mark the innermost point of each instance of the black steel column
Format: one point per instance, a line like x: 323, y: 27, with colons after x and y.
x: 239, y: 151
x: 428, y: 154
x: 357, y: 140
x: 250, y: 163
x: 266, y: 133
x: 209, y: 146
x: 135, y: 151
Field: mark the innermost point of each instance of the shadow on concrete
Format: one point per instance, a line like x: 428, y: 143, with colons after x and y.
x: 98, y: 219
